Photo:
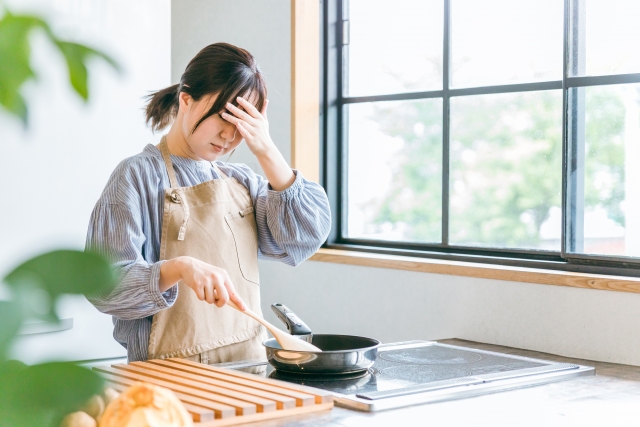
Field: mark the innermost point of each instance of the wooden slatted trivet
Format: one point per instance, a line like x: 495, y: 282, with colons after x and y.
x: 217, y: 396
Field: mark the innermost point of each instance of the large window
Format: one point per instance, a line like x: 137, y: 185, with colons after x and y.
x: 493, y: 130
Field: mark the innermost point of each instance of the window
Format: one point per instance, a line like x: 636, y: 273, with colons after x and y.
x: 495, y: 131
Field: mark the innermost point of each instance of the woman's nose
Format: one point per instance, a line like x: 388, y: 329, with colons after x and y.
x: 228, y: 132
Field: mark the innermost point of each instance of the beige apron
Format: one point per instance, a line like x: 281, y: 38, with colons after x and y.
x: 215, y: 223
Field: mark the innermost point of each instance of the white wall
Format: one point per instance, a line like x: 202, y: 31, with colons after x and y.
x: 393, y: 305
x: 53, y: 172
x: 398, y: 305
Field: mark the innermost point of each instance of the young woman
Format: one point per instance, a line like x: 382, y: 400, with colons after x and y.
x: 186, y: 230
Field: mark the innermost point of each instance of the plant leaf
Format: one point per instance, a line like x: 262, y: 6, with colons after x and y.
x: 65, y: 272
x: 10, y: 321
x: 41, y: 395
x: 77, y: 57
x: 15, y: 51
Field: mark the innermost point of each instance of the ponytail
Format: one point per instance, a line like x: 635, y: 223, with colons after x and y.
x: 162, y: 107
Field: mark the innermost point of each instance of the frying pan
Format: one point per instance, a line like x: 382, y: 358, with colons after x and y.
x: 341, y: 354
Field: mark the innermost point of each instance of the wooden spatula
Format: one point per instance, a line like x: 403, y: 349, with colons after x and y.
x: 286, y: 341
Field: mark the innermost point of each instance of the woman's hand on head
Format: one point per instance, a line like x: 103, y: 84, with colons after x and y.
x: 252, y: 125
x: 210, y: 283
x: 254, y: 128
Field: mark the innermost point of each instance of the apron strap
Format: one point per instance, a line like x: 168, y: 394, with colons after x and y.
x: 167, y: 161
x: 174, y: 184
x: 219, y: 171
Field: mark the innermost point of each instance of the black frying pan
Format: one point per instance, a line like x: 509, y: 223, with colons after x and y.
x: 340, y: 353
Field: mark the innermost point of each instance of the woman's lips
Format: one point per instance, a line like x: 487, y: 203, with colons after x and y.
x: 217, y: 148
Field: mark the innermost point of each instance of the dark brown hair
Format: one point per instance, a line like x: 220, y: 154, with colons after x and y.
x: 219, y: 68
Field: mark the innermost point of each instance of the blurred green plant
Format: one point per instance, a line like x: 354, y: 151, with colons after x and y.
x: 15, y: 56
x: 41, y: 395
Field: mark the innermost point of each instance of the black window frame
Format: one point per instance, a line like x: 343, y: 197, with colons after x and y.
x: 333, y: 153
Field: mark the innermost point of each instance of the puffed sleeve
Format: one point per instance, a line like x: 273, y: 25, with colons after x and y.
x: 115, y: 232
x: 293, y: 223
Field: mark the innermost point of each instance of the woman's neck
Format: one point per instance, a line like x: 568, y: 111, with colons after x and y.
x: 177, y: 143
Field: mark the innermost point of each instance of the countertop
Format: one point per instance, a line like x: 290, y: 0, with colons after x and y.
x: 610, y: 398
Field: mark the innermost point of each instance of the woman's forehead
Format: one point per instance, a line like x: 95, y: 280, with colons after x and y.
x: 211, y: 98
x: 252, y: 97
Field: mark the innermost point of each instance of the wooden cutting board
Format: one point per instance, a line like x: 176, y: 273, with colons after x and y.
x: 217, y: 396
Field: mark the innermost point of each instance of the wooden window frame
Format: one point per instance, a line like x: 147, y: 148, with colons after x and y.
x: 305, y: 87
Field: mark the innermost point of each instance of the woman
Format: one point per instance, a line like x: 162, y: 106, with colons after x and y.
x: 185, y: 230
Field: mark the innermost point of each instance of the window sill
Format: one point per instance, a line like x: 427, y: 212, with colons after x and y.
x: 483, y: 271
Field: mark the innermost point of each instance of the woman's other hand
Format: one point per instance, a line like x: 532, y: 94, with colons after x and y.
x: 210, y: 283
x: 254, y: 128
x: 252, y: 125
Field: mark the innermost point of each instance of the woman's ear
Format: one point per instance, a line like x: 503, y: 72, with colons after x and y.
x: 184, y: 100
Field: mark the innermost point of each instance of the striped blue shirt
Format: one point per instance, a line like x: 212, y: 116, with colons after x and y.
x: 126, y: 225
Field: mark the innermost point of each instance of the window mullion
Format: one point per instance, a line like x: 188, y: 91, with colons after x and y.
x: 332, y: 119
x: 575, y: 129
x: 446, y: 74
x: 565, y: 118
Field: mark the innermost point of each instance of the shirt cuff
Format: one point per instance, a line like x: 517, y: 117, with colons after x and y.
x: 162, y: 299
x: 290, y: 192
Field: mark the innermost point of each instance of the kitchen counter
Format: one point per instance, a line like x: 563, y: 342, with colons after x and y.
x: 610, y: 398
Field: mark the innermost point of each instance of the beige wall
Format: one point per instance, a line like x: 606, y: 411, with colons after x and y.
x: 396, y: 305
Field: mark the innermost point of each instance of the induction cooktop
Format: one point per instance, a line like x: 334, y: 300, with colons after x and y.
x: 415, y: 372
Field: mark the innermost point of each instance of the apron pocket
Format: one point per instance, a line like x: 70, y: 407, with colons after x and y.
x: 245, y: 235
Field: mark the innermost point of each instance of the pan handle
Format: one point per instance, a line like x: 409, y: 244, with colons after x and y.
x: 295, y: 326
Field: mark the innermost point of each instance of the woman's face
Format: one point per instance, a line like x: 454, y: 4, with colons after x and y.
x: 214, y: 137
